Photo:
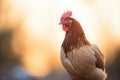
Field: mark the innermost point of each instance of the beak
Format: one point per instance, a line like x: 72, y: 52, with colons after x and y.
x: 60, y: 23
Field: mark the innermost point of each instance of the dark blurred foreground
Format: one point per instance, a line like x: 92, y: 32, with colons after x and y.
x: 113, y: 69
x: 18, y: 73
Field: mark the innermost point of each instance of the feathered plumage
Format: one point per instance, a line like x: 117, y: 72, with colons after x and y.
x: 81, y: 59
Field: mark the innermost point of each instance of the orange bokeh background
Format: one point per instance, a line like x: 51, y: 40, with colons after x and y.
x: 37, y: 37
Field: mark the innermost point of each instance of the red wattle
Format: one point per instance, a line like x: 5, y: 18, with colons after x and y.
x: 65, y: 28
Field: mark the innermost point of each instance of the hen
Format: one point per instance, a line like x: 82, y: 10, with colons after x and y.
x: 81, y: 59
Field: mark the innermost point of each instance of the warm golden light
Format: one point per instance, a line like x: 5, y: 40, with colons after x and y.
x: 38, y: 37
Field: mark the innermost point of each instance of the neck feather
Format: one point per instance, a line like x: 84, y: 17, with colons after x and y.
x: 74, y: 38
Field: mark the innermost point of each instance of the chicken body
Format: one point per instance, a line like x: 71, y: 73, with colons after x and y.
x: 81, y: 63
x: 81, y: 59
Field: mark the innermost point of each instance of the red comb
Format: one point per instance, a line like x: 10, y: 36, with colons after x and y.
x: 66, y: 14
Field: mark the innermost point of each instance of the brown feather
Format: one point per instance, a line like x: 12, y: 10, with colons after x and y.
x: 74, y: 37
x: 99, y: 56
x: 82, y: 60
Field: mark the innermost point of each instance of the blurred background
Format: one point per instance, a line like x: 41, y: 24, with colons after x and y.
x: 30, y: 37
